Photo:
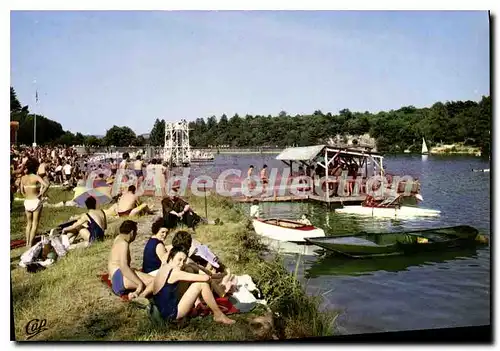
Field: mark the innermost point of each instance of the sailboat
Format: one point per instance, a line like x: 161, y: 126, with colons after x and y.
x: 425, y: 151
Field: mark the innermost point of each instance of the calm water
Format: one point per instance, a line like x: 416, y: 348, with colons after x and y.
x: 399, y: 293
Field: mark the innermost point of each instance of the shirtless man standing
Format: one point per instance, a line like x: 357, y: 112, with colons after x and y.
x: 124, y: 278
x: 125, y: 159
x: 128, y: 205
x: 138, y: 164
x: 264, y: 179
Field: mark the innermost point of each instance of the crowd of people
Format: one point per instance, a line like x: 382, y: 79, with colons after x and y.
x: 171, y: 277
x: 34, y: 169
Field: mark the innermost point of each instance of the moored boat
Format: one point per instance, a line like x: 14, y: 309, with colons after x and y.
x: 386, y: 244
x: 389, y: 212
x: 481, y: 170
x: 286, y: 230
x: 389, y: 208
x: 198, y: 156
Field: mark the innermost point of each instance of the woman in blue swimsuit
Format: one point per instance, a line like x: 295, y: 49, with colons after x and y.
x: 154, y: 251
x: 165, y: 289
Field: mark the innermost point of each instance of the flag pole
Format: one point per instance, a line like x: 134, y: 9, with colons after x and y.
x: 36, y: 110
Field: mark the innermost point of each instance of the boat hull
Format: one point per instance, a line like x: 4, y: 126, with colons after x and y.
x: 387, y: 244
x: 401, y: 212
x: 276, y: 232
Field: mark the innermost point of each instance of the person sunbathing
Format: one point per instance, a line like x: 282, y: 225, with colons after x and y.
x: 123, y: 277
x: 165, y: 285
x: 129, y: 204
x: 90, y: 226
x: 154, y: 252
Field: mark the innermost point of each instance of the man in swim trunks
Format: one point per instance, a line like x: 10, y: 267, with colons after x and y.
x: 123, y: 278
x: 138, y: 168
x: 90, y: 226
x: 129, y: 204
x: 264, y: 179
x: 113, y: 166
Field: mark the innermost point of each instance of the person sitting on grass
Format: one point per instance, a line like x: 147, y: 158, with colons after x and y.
x: 166, y: 282
x: 196, y: 264
x: 123, y: 277
x: 90, y: 226
x: 154, y: 252
x: 129, y: 204
x: 176, y: 211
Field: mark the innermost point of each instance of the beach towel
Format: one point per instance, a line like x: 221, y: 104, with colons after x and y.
x: 224, y: 304
x: 14, y: 244
x: 243, y: 298
x: 204, y: 252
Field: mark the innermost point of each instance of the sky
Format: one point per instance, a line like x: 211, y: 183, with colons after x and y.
x: 96, y: 69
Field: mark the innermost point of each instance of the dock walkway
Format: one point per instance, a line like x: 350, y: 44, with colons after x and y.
x: 337, y: 200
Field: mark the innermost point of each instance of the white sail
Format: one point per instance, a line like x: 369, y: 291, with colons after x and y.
x: 424, y: 147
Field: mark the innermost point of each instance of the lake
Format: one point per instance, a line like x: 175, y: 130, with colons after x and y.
x: 450, y: 289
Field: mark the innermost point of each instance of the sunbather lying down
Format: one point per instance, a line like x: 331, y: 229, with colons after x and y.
x: 89, y: 226
x: 128, y: 205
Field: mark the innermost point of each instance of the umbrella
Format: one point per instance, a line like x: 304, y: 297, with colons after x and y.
x: 82, y: 194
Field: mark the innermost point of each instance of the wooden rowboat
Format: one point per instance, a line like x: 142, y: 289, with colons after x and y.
x: 286, y: 230
x: 387, y: 244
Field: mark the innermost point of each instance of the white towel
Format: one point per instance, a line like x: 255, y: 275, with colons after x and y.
x: 204, y: 252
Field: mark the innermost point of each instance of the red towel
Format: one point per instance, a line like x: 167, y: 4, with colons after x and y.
x: 14, y: 244
x: 223, y: 302
x: 201, y: 310
x: 105, y: 280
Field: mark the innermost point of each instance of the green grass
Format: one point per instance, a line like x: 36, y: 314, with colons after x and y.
x: 77, y: 306
x: 55, y: 195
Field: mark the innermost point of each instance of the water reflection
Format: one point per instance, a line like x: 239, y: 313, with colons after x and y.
x: 286, y: 247
x: 328, y: 265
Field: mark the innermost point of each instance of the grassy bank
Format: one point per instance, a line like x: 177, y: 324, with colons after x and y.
x: 77, y: 306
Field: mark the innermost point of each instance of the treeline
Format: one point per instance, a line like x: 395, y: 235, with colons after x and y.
x: 394, y: 131
x: 468, y: 122
x: 49, y: 132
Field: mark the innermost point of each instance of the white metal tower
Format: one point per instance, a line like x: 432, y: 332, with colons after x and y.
x: 177, y: 150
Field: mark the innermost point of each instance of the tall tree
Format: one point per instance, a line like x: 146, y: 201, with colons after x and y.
x: 157, y: 135
x: 119, y: 136
x: 15, y: 105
